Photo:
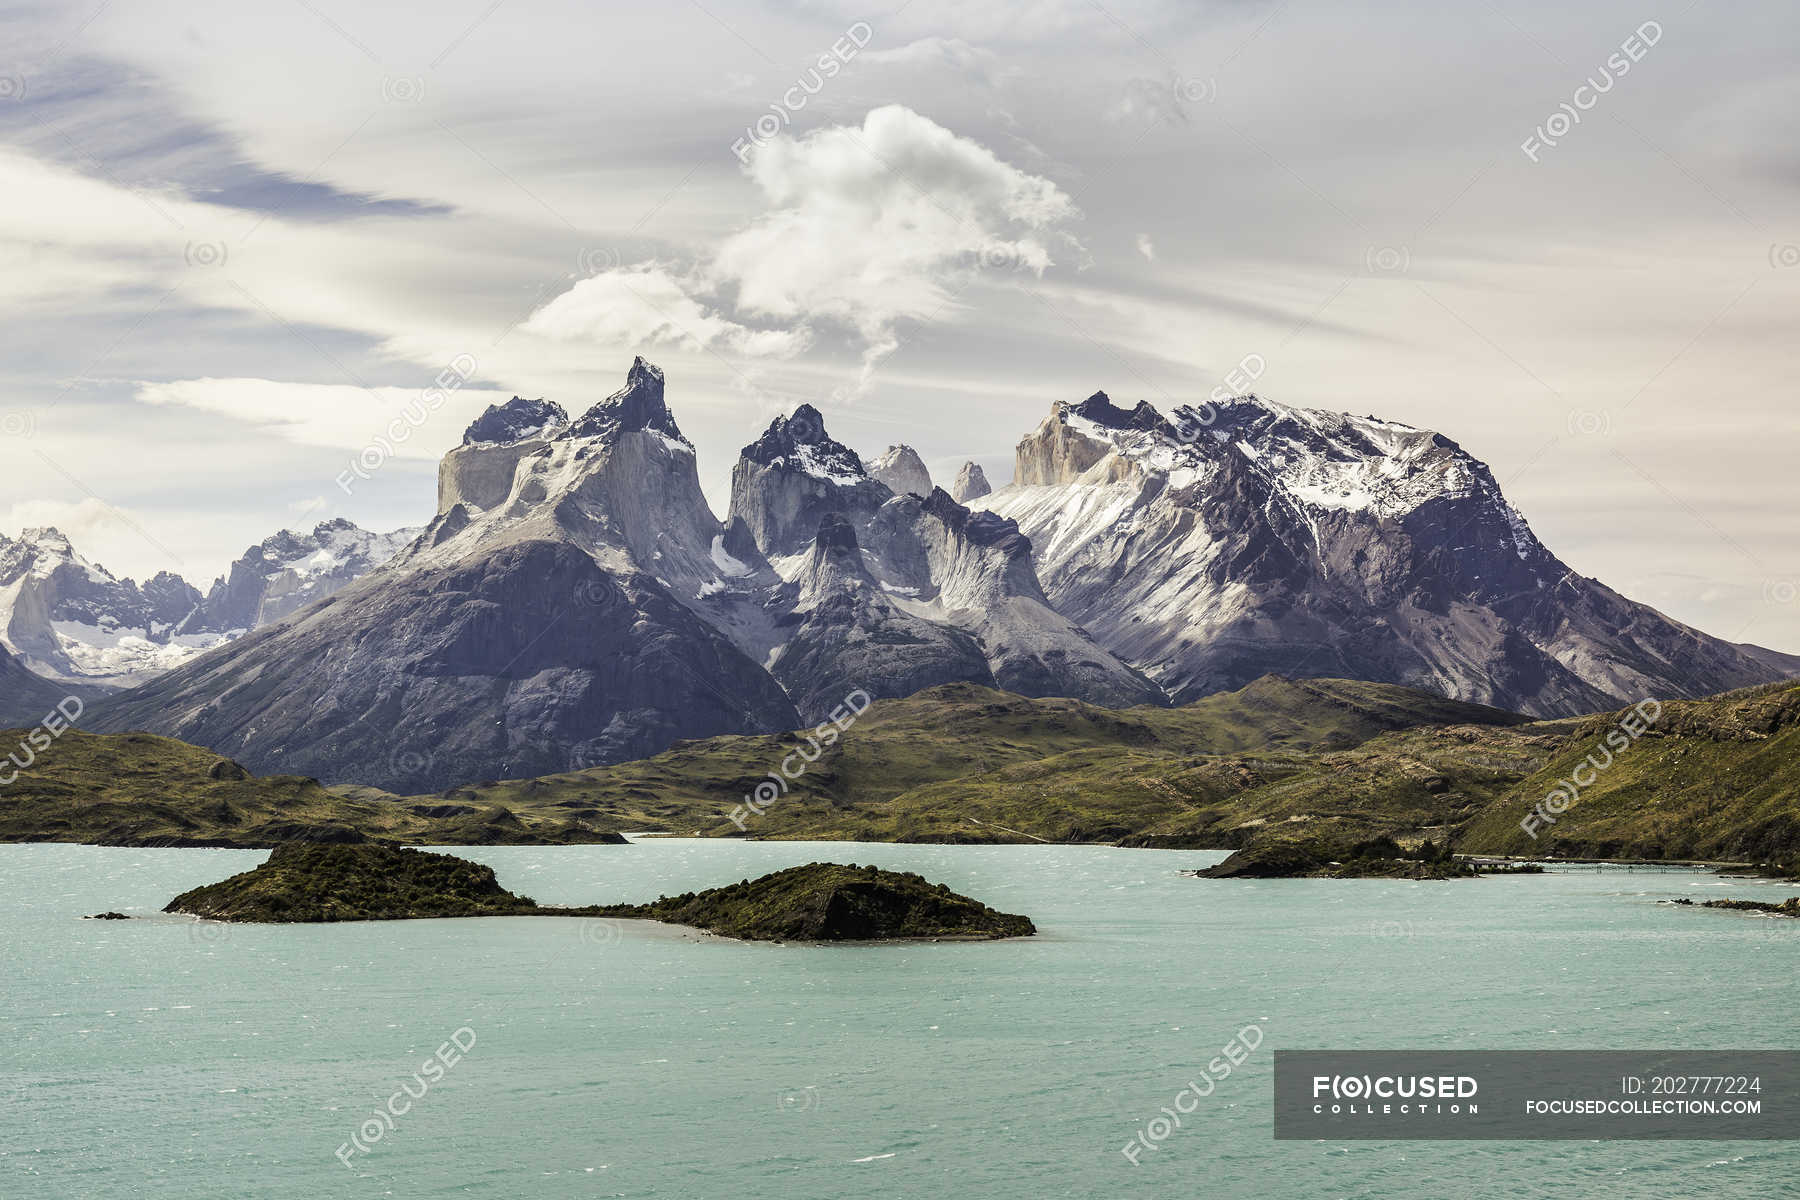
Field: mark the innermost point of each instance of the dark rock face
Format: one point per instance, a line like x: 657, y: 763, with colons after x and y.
x: 830, y: 902
x: 515, y: 421
x: 850, y: 636
x: 794, y: 476
x: 26, y: 697
x: 1216, y: 547
x: 499, y: 665
x: 637, y: 406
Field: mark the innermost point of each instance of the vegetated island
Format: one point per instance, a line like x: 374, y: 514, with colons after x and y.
x: 1336, y: 858
x: 831, y: 902
x: 311, y: 882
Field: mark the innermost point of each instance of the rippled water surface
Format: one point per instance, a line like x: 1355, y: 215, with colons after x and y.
x: 160, y: 1058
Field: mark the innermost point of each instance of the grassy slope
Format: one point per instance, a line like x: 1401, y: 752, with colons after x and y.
x: 138, y: 789
x: 936, y: 765
x: 1714, y: 779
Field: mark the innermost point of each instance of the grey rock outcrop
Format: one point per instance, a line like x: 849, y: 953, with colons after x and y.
x: 902, y: 470
x: 971, y: 484
x: 849, y: 635
x: 793, y: 477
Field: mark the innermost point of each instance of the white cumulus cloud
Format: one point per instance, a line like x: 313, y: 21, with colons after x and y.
x: 646, y: 304
x: 872, y: 225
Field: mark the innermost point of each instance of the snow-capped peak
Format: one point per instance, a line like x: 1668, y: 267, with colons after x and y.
x: 517, y: 420
x: 800, y: 442
x: 639, y: 405
x: 1317, y: 459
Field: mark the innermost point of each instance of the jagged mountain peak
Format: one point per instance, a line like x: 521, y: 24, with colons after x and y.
x: 517, y: 420
x: 902, y: 470
x: 49, y: 539
x: 980, y: 528
x: 639, y: 405
x: 800, y: 442
x: 1100, y: 409
x: 971, y: 484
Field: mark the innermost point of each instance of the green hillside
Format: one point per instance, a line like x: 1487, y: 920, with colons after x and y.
x: 953, y: 763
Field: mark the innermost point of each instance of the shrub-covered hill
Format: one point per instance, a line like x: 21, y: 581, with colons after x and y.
x: 830, y: 902
x: 301, y: 882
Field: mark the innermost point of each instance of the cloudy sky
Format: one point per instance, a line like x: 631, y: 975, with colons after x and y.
x: 242, y: 241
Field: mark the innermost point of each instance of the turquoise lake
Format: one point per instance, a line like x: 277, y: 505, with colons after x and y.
x: 164, y: 1058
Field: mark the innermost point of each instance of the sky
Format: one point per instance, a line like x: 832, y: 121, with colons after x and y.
x: 246, y: 246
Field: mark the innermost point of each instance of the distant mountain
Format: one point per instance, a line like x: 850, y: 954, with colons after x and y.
x: 576, y: 602
x: 290, y: 570
x: 1274, y: 539
x: 72, y: 620
x: 901, y: 470
x: 971, y: 484
x: 68, y: 619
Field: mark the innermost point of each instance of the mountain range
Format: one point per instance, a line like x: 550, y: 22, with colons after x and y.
x: 1218, y: 545
x: 575, y: 601
x: 72, y: 621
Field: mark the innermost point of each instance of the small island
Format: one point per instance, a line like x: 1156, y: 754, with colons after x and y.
x: 831, y: 902
x: 1337, y: 858
x: 311, y: 881
x: 1787, y: 908
x: 824, y: 902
